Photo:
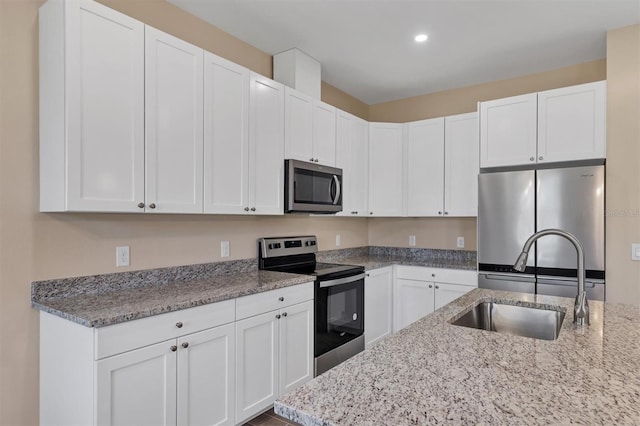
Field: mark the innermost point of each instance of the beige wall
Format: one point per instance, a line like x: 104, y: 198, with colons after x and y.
x: 623, y: 164
x: 433, y: 232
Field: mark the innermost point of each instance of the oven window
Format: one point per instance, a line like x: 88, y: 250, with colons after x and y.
x: 339, y: 315
x: 312, y: 187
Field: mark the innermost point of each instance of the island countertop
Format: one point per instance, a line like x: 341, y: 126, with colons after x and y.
x: 433, y: 372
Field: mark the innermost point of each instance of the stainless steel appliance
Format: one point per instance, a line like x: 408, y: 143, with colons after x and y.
x: 513, y: 205
x: 312, y: 188
x: 338, y: 297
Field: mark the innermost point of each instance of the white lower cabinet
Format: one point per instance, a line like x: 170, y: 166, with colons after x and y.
x: 418, y: 291
x: 275, y: 356
x: 378, y: 294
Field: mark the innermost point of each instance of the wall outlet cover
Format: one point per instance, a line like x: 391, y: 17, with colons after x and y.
x: 412, y: 240
x: 122, y: 256
x: 460, y: 242
x: 635, y: 251
x: 224, y: 248
x: 338, y: 239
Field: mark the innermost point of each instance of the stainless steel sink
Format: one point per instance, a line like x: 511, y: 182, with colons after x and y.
x: 515, y: 320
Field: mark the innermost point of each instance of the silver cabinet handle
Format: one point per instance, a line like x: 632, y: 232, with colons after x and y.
x: 179, y: 324
x: 540, y: 158
x: 278, y: 316
x: 281, y: 299
x: 284, y: 314
x: 531, y: 158
x: 253, y: 209
x: 246, y: 209
x: 185, y: 345
x: 173, y: 348
x: 152, y: 205
x: 141, y: 205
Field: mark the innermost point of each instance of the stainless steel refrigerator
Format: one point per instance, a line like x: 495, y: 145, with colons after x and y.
x: 512, y: 205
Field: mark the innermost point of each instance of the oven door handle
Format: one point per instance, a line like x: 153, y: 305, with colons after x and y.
x: 344, y: 280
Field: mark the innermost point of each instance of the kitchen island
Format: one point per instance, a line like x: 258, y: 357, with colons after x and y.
x: 433, y: 372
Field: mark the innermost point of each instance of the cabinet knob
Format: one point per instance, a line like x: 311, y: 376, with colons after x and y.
x: 430, y: 285
x: 532, y: 159
x: 284, y: 314
x: 277, y: 316
x: 540, y: 158
x: 437, y: 287
x: 355, y: 212
x: 185, y: 345
x: 246, y: 209
x: 311, y: 159
x: 141, y: 205
x: 367, y: 274
x: 173, y: 348
x: 316, y: 160
x: 179, y: 324
x: 253, y: 209
x: 439, y: 212
x: 433, y: 275
x: 281, y: 299
x: 371, y: 213
x: 446, y: 213
x: 152, y: 205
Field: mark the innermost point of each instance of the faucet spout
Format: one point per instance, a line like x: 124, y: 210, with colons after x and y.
x: 581, y: 305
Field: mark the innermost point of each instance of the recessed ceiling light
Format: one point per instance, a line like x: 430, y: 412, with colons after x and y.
x: 420, y: 38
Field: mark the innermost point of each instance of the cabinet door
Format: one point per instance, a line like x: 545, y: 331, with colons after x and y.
x: 425, y: 167
x: 173, y: 123
x: 385, y: 169
x: 206, y: 377
x: 412, y: 300
x: 572, y: 123
x: 137, y: 387
x: 508, y: 130
x: 378, y: 297
x: 296, y: 346
x: 461, y: 165
x: 344, y: 140
x: 447, y: 293
x: 105, y: 106
x: 324, y: 133
x: 226, y: 136
x: 257, y: 353
x: 298, y: 116
x: 266, y: 146
x: 360, y: 166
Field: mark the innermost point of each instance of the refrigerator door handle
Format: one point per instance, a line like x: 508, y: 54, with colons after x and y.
x: 509, y: 277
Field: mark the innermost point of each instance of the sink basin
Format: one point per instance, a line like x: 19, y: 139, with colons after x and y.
x: 515, y: 320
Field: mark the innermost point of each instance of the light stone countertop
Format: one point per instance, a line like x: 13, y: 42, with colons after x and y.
x: 433, y: 372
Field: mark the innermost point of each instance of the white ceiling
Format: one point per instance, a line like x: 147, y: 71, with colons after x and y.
x: 366, y: 47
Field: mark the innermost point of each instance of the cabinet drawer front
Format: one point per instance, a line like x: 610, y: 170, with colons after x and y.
x: 255, y: 304
x: 126, y: 336
x: 453, y: 276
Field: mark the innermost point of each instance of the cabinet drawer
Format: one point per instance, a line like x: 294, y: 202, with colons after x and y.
x: 452, y: 276
x: 126, y: 336
x: 255, y: 304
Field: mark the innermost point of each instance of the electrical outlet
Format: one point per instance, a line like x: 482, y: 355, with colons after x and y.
x: 635, y: 251
x: 338, y: 239
x: 224, y: 248
x: 122, y: 256
x: 412, y: 240
x: 460, y: 242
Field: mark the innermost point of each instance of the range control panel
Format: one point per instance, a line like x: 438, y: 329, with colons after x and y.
x: 287, y: 246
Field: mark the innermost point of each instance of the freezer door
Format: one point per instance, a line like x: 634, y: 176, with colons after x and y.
x: 569, y: 288
x: 506, y: 209
x: 571, y: 199
x: 519, y: 283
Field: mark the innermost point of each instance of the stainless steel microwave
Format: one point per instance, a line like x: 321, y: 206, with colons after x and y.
x: 312, y: 188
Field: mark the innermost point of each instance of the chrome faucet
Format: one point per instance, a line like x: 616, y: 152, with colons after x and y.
x: 581, y: 306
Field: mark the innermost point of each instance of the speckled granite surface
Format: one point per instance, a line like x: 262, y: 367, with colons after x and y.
x: 122, y: 304
x: 433, y: 372
x: 379, y: 257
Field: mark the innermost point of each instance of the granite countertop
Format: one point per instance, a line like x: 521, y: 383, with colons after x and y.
x: 111, y: 307
x: 380, y: 261
x: 433, y: 372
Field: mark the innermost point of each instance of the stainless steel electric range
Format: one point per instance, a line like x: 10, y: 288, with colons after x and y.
x: 339, y: 296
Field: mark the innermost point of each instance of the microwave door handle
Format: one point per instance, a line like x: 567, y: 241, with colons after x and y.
x: 336, y: 181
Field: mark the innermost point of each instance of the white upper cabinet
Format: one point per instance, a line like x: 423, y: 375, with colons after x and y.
x: 352, y: 148
x: 385, y: 169
x: 266, y: 146
x: 298, y: 125
x: 310, y: 129
x: 324, y: 133
x: 566, y: 124
x: 425, y: 167
x: 508, y: 131
x: 91, y: 108
x: 461, y: 165
x: 173, y: 123
x: 572, y: 123
x: 226, y: 136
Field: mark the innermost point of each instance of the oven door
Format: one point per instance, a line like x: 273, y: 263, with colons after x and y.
x: 339, y: 312
x: 312, y: 188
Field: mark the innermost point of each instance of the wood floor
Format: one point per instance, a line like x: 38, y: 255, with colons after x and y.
x: 269, y: 418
